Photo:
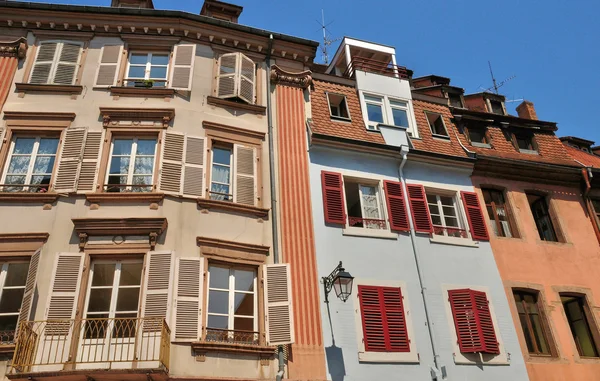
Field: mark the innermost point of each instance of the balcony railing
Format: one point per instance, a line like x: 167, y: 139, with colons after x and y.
x: 30, y: 188
x: 128, y: 188
x: 450, y: 231
x: 376, y: 67
x: 213, y: 335
x: 118, y: 343
x: 368, y: 223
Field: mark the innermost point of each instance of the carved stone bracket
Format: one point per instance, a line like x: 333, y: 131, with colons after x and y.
x: 83, y: 237
x: 302, y: 79
x: 17, y: 48
x: 124, y: 117
x: 151, y: 227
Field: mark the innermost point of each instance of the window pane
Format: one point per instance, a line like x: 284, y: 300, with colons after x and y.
x: 436, y: 220
x: 243, y: 324
x: 244, y: 304
x: 8, y: 323
x: 104, y: 274
x: 131, y: 274
x: 525, y: 329
x: 160, y: 59
x: 48, y: 146
x: 158, y: 72
x: 244, y: 280
x: 11, y: 300
x: 218, y: 322
x: 122, y: 147
x: 220, y: 192
x: 99, y: 299
x: 14, y: 180
x: 447, y: 200
x: 218, y: 302
x: 138, y: 58
x: 538, y: 331
x: 125, y: 326
x: 136, y: 72
x: 128, y: 298
x: 219, y: 277
x: 146, y: 146
x: 222, y: 156
x: 16, y: 274
x: 119, y: 165
x: 19, y: 164
x: 375, y: 113
x: 24, y: 145
x: 143, y: 166
x: 43, y: 164
x: 94, y: 327
x: 373, y: 98
x: 400, y: 117
x: 398, y: 103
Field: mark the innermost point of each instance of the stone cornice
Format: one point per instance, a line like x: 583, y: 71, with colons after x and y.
x: 302, y: 79
x: 111, y: 115
x: 150, y: 226
x: 17, y: 48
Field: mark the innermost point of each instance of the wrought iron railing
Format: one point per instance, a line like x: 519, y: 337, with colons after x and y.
x: 128, y: 188
x: 28, y: 188
x: 369, y: 223
x: 450, y: 231
x: 93, y: 343
x: 374, y: 66
x: 7, y: 337
x: 214, y: 335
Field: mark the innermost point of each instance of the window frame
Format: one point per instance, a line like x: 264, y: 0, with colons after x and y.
x: 231, y: 149
x: 556, y: 229
x: 345, y: 101
x: 543, y: 318
x: 149, y: 53
x: 377, y: 185
x: 592, y: 326
x: 516, y: 135
x: 460, y: 98
x: 4, y: 265
x: 486, y: 137
x: 78, y: 66
x: 441, y: 117
x: 387, y: 111
x: 514, y: 233
x: 135, y: 136
x: 457, y: 205
x: 491, y: 108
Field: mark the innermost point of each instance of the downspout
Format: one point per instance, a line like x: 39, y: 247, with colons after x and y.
x: 272, y: 178
x: 435, y: 371
x: 587, y: 173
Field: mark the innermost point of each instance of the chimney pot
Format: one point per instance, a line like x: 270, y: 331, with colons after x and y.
x: 526, y: 110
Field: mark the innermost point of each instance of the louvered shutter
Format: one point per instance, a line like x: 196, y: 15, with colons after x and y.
x: 64, y: 292
x: 188, y: 299
x: 473, y: 321
x: 68, y: 63
x: 70, y: 160
x: 108, y: 66
x: 419, y: 209
x: 44, y: 61
x: 26, y: 303
x: 157, y: 286
x: 244, y: 175
x: 475, y: 216
x: 227, y: 75
x: 333, y: 198
x: 396, y: 206
x: 247, y: 79
x: 486, y: 325
x: 91, y: 161
x: 171, y: 162
x: 278, y: 304
x: 1, y: 137
x: 183, y: 67
x: 193, y: 175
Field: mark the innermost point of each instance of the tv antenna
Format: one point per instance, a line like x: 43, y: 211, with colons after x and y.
x: 497, y: 85
x: 327, y: 41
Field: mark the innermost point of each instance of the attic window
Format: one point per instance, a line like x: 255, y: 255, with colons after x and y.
x: 436, y: 123
x: 524, y: 142
x: 478, y: 137
x: 455, y: 100
x: 496, y: 107
x: 338, y: 108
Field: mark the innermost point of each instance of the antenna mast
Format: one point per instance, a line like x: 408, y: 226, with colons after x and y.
x: 493, y: 78
x: 497, y: 85
x: 326, y: 40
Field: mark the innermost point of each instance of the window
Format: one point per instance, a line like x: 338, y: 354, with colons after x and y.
x: 496, y: 107
x: 596, y: 206
x: 13, y: 277
x: 582, y: 324
x: 363, y: 203
x: 375, y: 112
x: 533, y: 322
x: 236, y: 75
x: 147, y: 69
x: 498, y: 212
x: 384, y: 110
x: 399, y: 113
x: 444, y: 215
x: 455, y: 100
x: 56, y: 63
x: 541, y: 215
x: 113, y: 295
x: 337, y: 106
x: 220, y: 181
x: 478, y: 136
x: 131, y: 166
x: 524, y: 142
x: 232, y: 305
x: 436, y: 123
x: 30, y: 164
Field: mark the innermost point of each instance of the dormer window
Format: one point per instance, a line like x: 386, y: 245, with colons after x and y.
x: 524, y: 142
x: 374, y: 111
x: 338, y: 108
x: 478, y: 137
x: 496, y: 107
x: 455, y: 100
x: 436, y: 123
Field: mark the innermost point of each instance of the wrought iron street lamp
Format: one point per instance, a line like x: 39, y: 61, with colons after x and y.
x: 340, y: 281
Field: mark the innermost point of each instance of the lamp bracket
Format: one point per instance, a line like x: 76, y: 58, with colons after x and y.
x: 328, y: 280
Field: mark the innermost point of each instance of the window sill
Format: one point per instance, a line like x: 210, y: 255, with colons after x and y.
x: 372, y: 233
x: 389, y: 357
x: 529, y: 151
x: 453, y: 241
x: 42, y: 198
x: 552, y: 243
x: 481, y: 145
x: 7, y: 349
x: 96, y: 198
x: 45, y: 88
x: 340, y: 119
x: 125, y: 91
x: 233, y: 207
x: 481, y: 358
x: 445, y: 138
x: 203, y: 346
x: 255, y: 109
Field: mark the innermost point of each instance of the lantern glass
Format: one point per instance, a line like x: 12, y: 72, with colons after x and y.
x: 342, y: 285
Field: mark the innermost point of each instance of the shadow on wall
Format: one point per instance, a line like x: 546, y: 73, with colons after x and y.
x: 335, y: 363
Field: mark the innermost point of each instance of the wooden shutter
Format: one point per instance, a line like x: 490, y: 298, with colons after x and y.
x: 70, y: 160
x: 278, y: 304
x: 1, y: 137
x: 419, y: 209
x: 171, y: 162
x: 396, y: 206
x: 90, y: 162
x: 27, y: 302
x: 227, y: 75
x: 473, y: 321
x: 157, y: 285
x: 383, y: 319
x: 195, y: 159
x: 475, y: 216
x: 333, y: 198
x: 183, y: 67
x: 245, y: 175
x: 64, y: 292
x: 44, y: 61
x: 188, y: 299
x: 108, y: 66
x: 247, y: 79
x: 68, y: 63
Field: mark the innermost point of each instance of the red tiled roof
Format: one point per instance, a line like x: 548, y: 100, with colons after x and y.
x: 587, y: 159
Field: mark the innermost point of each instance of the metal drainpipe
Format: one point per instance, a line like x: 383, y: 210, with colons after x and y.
x: 275, y: 232
x: 436, y: 369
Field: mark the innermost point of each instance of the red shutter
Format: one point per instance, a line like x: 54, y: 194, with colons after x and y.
x: 396, y: 206
x: 419, y: 208
x: 473, y: 321
x: 333, y: 198
x: 475, y: 216
x: 383, y: 319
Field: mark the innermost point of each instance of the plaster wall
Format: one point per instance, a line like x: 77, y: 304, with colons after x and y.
x: 381, y: 84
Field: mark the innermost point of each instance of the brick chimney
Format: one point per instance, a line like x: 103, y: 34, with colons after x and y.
x: 527, y: 111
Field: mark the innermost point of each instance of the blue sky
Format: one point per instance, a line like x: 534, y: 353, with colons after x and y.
x: 551, y: 46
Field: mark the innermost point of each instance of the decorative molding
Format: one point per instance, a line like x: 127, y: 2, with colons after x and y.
x: 229, y: 250
x: 205, y: 203
x: 21, y: 244
x: 117, y: 116
x: 125, y: 91
x: 26, y: 197
x: 40, y: 115
x: 44, y: 88
x: 17, y: 48
x: 201, y: 347
x: 255, y: 109
x: 281, y: 77
x: 96, y: 198
x: 151, y: 226
x: 234, y: 130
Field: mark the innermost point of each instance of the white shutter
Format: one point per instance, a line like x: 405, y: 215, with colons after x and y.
x: 278, y: 304
x: 91, y: 161
x: 26, y: 303
x: 157, y: 285
x: 108, y: 66
x: 183, y: 67
x: 68, y: 63
x: 247, y: 79
x: 227, y: 78
x: 244, y: 175
x: 64, y: 292
x: 70, y: 160
x: 195, y: 159
x: 171, y: 162
x: 44, y: 61
x: 188, y: 299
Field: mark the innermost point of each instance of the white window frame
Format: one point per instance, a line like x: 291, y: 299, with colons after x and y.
x: 371, y: 125
x: 447, y: 136
x: 3, y: 274
x: 395, y: 104
x: 132, y: 158
x: 56, y: 60
x: 455, y: 205
x: 385, y: 357
x: 387, y: 106
x: 377, y: 188
x: 148, y: 67
x: 345, y: 100
x: 229, y: 197
x: 33, y: 156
